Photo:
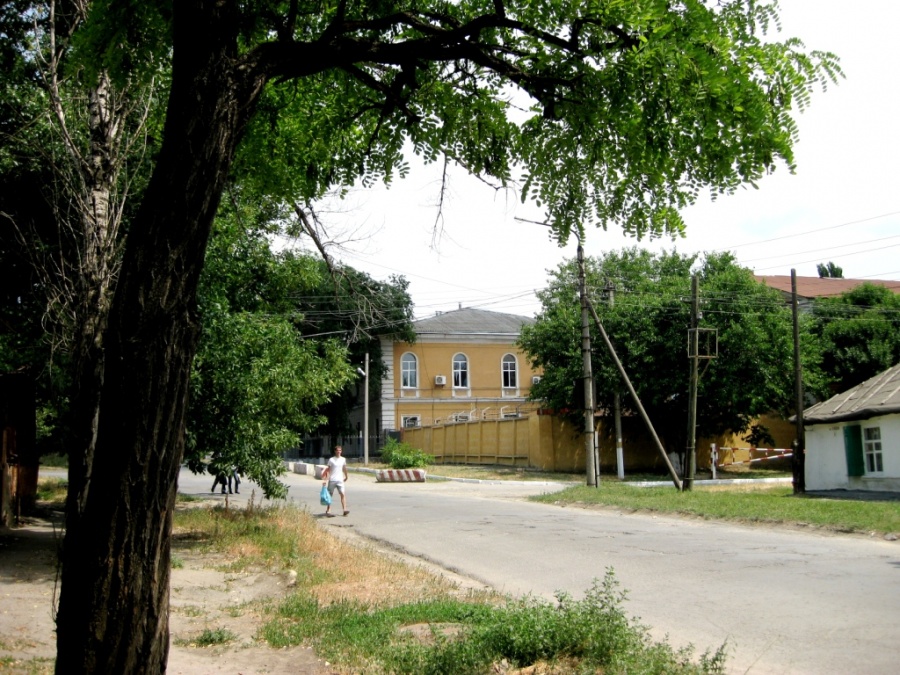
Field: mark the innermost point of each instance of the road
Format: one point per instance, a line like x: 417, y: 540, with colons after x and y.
x: 785, y: 601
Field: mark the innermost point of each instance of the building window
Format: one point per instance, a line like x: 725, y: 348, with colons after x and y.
x: 409, y: 371
x: 872, y: 449
x: 460, y: 371
x: 510, y: 372
x: 411, y: 421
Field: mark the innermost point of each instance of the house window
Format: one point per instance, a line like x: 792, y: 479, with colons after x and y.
x: 510, y: 372
x: 411, y: 421
x: 460, y: 371
x: 872, y: 449
x: 409, y: 371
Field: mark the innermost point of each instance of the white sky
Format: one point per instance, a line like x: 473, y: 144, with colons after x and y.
x: 842, y: 205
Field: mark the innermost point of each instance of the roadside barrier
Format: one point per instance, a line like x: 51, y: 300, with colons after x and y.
x: 723, y: 453
x: 400, y: 476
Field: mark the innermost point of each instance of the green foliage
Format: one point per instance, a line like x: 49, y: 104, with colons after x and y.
x: 858, y: 336
x: 401, y: 455
x: 647, y: 321
x: 829, y: 271
x: 214, y: 636
x: 593, y: 633
x: 257, y: 383
x: 623, y: 122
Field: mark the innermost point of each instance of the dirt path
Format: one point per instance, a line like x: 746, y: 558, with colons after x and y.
x: 202, y: 598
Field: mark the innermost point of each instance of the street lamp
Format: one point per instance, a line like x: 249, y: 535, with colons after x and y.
x: 365, y: 374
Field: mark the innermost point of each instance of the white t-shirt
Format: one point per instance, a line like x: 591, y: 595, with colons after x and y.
x: 336, y: 469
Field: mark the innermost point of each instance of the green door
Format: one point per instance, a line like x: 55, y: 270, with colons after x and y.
x: 853, y: 449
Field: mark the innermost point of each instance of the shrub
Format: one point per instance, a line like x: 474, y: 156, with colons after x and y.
x: 403, y: 456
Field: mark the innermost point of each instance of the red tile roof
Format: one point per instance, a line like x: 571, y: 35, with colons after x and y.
x: 815, y: 287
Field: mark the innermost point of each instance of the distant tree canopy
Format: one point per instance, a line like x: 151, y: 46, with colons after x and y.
x: 829, y: 271
x: 858, y: 336
x: 648, y: 322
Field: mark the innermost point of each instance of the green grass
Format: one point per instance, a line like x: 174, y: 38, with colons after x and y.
x: 210, y: 637
x: 755, y: 504
x: 589, y: 635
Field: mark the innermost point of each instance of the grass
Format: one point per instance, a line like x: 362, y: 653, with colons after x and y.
x: 210, y: 637
x: 473, y: 637
x: 753, y: 503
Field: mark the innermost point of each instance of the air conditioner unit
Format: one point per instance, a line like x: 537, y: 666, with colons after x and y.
x: 440, y: 380
x: 535, y: 379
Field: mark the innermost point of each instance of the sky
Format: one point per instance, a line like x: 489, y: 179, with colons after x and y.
x: 841, y: 205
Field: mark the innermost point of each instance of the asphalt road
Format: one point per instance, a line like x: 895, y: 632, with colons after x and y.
x: 784, y: 601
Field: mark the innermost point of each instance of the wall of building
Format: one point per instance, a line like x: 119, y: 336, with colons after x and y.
x: 433, y: 403
x: 826, y: 460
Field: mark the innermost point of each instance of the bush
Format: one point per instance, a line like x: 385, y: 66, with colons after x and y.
x: 403, y: 456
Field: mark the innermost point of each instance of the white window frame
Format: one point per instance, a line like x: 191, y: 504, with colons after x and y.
x: 507, y: 374
x: 461, y: 371
x: 404, y: 371
x: 873, y: 451
x: 415, y: 419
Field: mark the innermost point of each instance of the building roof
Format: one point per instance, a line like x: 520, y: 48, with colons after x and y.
x: 472, y: 322
x: 816, y: 287
x: 876, y: 396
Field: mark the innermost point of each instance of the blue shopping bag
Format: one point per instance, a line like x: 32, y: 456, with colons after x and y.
x: 324, y: 497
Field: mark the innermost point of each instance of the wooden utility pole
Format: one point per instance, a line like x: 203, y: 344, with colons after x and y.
x: 590, y: 443
x: 798, y: 457
x: 690, y: 464
x: 617, y: 401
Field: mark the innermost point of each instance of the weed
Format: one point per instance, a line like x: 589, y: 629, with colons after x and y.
x: 210, y: 637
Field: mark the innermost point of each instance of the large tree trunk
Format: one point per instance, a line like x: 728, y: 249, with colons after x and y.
x: 113, y: 613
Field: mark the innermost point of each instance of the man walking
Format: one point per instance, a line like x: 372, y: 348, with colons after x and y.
x: 334, y: 476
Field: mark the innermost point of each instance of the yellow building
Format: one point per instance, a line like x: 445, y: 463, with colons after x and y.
x: 464, y: 366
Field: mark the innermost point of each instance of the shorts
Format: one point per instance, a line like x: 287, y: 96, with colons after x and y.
x: 335, y: 485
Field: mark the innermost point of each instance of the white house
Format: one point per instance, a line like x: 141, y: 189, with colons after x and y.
x: 853, y: 439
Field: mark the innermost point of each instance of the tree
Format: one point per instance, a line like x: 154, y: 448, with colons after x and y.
x: 634, y: 107
x: 258, y: 382
x: 858, y: 336
x: 648, y: 325
x: 829, y: 271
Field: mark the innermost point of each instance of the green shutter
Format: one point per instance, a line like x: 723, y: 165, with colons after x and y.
x: 853, y: 448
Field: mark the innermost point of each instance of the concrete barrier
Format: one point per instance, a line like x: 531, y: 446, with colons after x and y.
x: 400, y: 476
x: 302, y: 468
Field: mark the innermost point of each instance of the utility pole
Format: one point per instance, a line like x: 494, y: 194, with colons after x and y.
x: 694, y: 355
x: 637, y: 401
x: 366, y: 416
x: 589, y: 432
x: 365, y: 374
x: 617, y: 400
x: 798, y: 456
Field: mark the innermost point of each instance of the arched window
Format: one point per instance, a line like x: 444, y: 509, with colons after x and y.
x: 409, y: 371
x: 461, y: 371
x: 510, y: 372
